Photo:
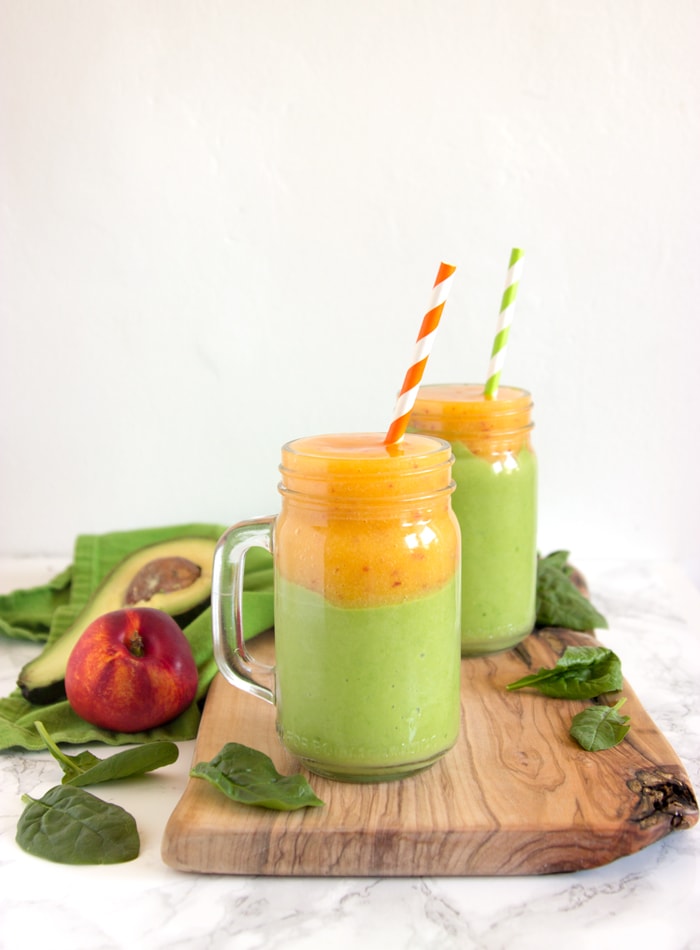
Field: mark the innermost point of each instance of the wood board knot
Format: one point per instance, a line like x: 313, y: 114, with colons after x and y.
x: 663, y: 798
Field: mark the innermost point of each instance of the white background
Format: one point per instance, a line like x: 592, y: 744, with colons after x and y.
x: 220, y: 223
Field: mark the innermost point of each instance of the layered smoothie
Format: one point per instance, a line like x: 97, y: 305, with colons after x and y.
x: 367, y: 638
x: 495, y: 501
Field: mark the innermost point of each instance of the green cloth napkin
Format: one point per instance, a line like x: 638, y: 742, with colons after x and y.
x: 26, y: 614
x: 43, y: 613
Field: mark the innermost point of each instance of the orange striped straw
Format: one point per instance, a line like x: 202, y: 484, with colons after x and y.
x: 424, y: 342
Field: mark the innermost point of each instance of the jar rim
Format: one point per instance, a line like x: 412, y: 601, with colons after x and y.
x: 473, y: 394
x: 366, y: 448
x: 361, y: 468
x: 461, y: 412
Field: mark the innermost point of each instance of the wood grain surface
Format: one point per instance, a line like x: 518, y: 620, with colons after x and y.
x: 516, y: 795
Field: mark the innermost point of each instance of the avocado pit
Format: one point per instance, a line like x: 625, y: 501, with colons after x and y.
x: 162, y: 575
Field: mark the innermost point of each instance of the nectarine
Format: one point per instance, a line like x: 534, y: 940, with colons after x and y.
x: 131, y: 670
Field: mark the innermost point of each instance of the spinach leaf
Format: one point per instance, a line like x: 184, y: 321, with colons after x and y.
x: 72, y: 826
x: 600, y: 727
x: 88, y: 769
x: 580, y: 673
x: 559, y: 602
x: 250, y: 777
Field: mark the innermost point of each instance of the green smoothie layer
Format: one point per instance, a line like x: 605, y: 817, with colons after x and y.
x: 367, y: 688
x: 495, y: 505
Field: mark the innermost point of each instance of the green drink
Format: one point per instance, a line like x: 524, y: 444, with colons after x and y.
x: 363, y: 687
x: 495, y: 501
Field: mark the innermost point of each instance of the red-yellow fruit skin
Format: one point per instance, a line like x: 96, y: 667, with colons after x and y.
x: 110, y: 687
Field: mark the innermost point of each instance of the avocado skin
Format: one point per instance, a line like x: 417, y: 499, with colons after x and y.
x: 43, y: 695
x: 41, y: 681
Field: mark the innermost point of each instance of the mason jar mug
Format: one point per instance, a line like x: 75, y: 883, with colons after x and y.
x: 366, y: 679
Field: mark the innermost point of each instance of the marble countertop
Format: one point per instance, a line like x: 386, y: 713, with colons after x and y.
x: 647, y: 899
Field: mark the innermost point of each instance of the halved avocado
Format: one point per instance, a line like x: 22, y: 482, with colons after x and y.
x: 173, y: 576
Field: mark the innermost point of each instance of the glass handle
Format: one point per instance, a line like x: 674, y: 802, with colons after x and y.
x: 232, y: 657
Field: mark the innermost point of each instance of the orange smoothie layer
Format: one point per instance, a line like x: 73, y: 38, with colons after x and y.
x: 366, y: 524
x: 459, y: 412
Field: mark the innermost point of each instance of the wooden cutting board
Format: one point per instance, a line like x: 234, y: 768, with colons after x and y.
x: 516, y: 795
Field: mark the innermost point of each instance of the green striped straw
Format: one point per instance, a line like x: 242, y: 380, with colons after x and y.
x: 505, y: 317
